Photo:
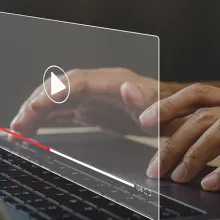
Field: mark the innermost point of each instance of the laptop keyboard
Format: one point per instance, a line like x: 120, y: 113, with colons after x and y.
x: 41, y: 194
x: 25, y: 187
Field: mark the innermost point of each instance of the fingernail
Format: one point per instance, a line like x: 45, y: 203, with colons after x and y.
x: 179, y: 173
x: 149, y: 116
x: 210, y: 182
x: 152, y: 159
x: 136, y: 94
x: 153, y: 169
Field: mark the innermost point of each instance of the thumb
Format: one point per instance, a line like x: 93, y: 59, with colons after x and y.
x: 138, y: 95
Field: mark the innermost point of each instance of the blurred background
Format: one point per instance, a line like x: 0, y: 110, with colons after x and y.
x: 189, y: 31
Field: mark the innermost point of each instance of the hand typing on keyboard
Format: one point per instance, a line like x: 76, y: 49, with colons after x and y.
x: 196, y: 142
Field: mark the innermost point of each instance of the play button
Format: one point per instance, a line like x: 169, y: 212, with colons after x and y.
x: 56, y: 84
x: 57, y: 87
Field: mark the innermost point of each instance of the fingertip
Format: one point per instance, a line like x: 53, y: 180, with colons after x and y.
x: 211, y: 182
x: 125, y: 86
x: 16, y: 123
x: 124, y: 89
x: 148, y: 118
x: 132, y: 94
x: 153, y: 169
x: 12, y: 137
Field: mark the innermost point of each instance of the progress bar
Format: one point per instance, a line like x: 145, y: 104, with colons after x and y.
x: 49, y: 149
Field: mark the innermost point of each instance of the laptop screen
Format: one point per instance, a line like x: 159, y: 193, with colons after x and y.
x: 66, y: 87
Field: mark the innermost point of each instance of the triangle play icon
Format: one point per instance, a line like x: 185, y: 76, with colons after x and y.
x: 56, y: 84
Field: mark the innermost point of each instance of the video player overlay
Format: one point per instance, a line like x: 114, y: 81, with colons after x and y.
x: 101, y: 163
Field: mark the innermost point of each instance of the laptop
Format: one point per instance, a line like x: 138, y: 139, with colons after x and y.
x: 34, y: 189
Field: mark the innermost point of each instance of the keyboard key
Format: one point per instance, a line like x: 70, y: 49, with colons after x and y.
x: 18, y: 173
x: 54, y: 211
x: 72, y: 204
x: 27, y: 180
x: 28, y: 199
x: 93, y: 213
x: 16, y: 191
x: 97, y: 200
x: 40, y: 205
x: 118, y: 210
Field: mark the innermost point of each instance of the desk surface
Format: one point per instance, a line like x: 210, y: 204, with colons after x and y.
x: 154, y: 142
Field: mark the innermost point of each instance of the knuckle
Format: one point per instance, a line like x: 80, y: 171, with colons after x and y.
x: 217, y: 125
x: 200, y: 88
x: 204, y: 115
x: 123, y: 69
x: 125, y: 72
x: 168, y: 146
x: 153, y: 95
x: 192, y: 154
x: 195, y: 85
x: 166, y: 107
x: 194, y: 158
x: 76, y: 72
x: 80, y: 77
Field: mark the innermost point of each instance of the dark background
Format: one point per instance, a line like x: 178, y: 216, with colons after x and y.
x: 189, y: 30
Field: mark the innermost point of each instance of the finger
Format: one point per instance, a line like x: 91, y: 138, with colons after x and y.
x: 212, y: 181
x: 138, y: 97
x: 181, y: 104
x: 34, y: 112
x: 173, y: 150
x: 205, y: 149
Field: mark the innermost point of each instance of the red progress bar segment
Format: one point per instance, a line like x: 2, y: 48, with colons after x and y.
x: 26, y: 139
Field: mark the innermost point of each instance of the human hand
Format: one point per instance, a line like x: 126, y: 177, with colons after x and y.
x: 110, y: 98
x: 196, y: 142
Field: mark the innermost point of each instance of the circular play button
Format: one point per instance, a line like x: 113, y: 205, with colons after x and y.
x: 58, y: 88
